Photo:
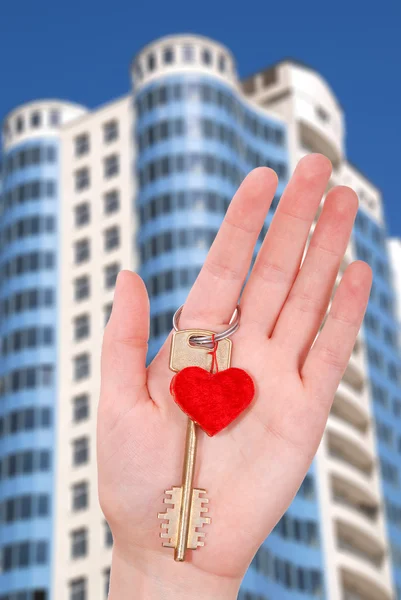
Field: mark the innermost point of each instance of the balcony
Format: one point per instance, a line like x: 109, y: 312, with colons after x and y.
x: 362, y: 580
x: 351, y: 407
x: 359, y: 535
x: 346, y: 444
x: 355, y: 479
x: 350, y: 595
x: 315, y: 136
x: 354, y: 375
x: 350, y: 495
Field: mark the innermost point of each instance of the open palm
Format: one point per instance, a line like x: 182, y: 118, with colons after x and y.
x: 252, y: 469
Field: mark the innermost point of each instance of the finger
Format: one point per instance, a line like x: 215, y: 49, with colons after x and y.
x: 307, y: 302
x: 125, y: 343
x: 279, y: 258
x: 329, y: 356
x: 214, y: 295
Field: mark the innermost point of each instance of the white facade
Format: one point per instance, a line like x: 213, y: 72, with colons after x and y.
x: 106, y: 214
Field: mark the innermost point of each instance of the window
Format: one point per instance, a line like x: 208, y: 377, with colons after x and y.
x: 54, y: 118
x: 307, y: 489
x: 110, y: 131
x: 29, y: 191
x: 380, y: 395
x: 32, y: 337
x: 107, y: 312
x: 385, y: 433
x: 81, y: 366
x: 25, y: 419
x: 41, y: 553
x: 81, y: 251
x: 78, y: 589
x: 110, y: 275
x: 151, y: 61
x: 82, y: 214
x: 43, y: 505
x: 206, y: 57
x: 80, y: 494
x: 81, y: 287
x: 35, y: 119
x: 81, y: 327
x: 389, y: 472
x: 79, y: 543
x: 21, y: 463
x: 111, y: 238
x: 26, y: 378
x: 82, y: 179
x: 23, y: 554
x: 80, y: 451
x: 390, y: 336
x: 138, y: 71
x: 322, y: 114
x: 106, y: 574
x: 82, y: 144
x: 108, y: 536
x: 222, y: 63
x: 111, y: 202
x: 23, y: 508
x: 80, y: 408
x: 188, y: 54
x: 111, y: 165
x: 20, y: 124
x: 168, y: 56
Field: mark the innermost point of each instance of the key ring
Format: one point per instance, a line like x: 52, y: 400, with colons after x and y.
x: 204, y: 340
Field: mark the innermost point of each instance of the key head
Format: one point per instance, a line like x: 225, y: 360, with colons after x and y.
x: 184, y: 354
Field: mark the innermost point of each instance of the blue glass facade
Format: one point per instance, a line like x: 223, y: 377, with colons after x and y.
x: 28, y: 282
x: 196, y: 140
x: 384, y: 363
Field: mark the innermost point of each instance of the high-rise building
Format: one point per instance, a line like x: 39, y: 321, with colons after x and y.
x: 143, y: 183
x: 29, y: 301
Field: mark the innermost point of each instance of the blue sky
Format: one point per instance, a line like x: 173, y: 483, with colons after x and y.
x: 81, y: 50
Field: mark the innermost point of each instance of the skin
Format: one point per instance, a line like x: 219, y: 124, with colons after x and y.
x: 253, y: 469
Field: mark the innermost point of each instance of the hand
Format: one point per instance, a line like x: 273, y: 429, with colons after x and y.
x: 253, y: 469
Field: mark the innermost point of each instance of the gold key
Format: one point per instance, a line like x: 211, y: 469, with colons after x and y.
x: 186, y: 511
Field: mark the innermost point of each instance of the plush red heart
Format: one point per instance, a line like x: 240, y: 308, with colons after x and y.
x: 213, y: 400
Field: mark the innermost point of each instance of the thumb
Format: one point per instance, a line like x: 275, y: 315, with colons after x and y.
x: 125, y: 344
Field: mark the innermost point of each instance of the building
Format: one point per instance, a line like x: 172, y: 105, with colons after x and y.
x: 143, y: 183
x: 30, y: 206
x: 340, y: 523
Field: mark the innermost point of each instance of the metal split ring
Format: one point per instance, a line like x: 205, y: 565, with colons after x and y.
x: 206, y: 340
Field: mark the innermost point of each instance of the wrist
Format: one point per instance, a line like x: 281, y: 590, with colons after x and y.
x: 152, y: 576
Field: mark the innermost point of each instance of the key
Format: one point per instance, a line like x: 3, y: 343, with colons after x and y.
x: 186, y: 511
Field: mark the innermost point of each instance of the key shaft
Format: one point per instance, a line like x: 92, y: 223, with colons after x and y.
x: 186, y: 493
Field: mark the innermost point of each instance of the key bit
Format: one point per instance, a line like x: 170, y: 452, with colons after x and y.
x: 169, y: 531
x: 185, y: 514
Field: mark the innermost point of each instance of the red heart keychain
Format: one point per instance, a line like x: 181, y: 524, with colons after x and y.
x: 212, y: 400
